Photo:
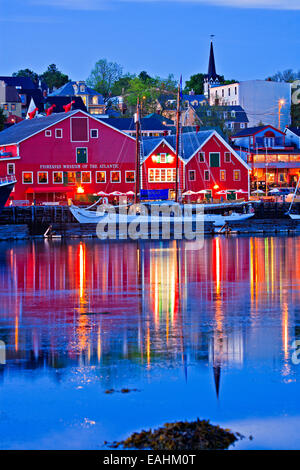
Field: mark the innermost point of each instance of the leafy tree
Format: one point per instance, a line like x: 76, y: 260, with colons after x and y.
x: 295, y: 114
x: 121, y: 86
x: 286, y: 76
x: 195, y: 83
x: 27, y: 73
x: 53, y: 77
x: 104, y: 75
x: 145, y: 77
x: 2, y: 119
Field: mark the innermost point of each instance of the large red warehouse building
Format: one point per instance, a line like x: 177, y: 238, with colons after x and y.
x: 67, y: 155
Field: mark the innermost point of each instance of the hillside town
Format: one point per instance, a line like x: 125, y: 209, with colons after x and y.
x: 237, y: 140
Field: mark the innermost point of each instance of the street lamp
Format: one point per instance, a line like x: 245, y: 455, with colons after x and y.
x: 281, y: 103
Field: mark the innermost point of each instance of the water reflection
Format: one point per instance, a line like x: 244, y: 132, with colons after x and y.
x: 89, y: 306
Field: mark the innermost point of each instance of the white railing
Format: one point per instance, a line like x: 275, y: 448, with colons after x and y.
x: 8, y: 179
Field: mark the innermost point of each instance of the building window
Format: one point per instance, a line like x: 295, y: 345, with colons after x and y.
x: 206, y: 175
x: 162, y: 175
x: 95, y: 99
x: 5, y: 107
x: 242, y: 125
x: 228, y: 91
x: 236, y: 175
x: 71, y: 177
x: 100, y: 176
x: 227, y: 157
x: 269, y: 141
x: 48, y: 133
x: 235, y: 90
x: 229, y: 125
x: 13, y: 107
x: 192, y: 175
x: 86, y: 177
x: 57, y: 177
x: 94, y: 133
x: 79, y: 129
x: 222, y: 175
x: 42, y: 177
x: 115, y: 177
x: 233, y: 114
x: 201, y: 157
x: 130, y: 176
x: 81, y: 155
x: 58, y: 133
x: 10, y: 168
x: 27, y: 177
x: 214, y: 160
x: 162, y: 158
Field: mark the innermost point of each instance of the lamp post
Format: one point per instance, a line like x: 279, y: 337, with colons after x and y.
x: 281, y: 103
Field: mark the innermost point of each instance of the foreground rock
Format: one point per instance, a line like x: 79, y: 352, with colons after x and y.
x: 195, y: 435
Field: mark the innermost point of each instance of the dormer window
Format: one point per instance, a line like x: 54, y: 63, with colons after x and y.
x: 95, y: 99
x: 233, y: 114
x: 82, y: 88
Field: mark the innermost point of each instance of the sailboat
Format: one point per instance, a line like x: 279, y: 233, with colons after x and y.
x: 294, y: 216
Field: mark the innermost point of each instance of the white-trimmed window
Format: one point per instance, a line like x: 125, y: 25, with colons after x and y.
x: 42, y: 177
x: 94, y: 133
x: 222, y: 175
x: 130, y: 176
x: 10, y: 168
x: 115, y: 177
x: 192, y: 175
x: 86, y: 177
x: 162, y: 175
x: 58, y: 133
x: 81, y: 155
x: 202, y: 157
x: 27, y: 177
x: 57, y: 177
x: 206, y: 175
x: 162, y: 158
x: 100, y: 176
x: 48, y: 133
x: 242, y: 125
x: 227, y: 157
x: 236, y: 175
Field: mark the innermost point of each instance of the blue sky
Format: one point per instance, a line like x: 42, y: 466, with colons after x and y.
x: 254, y: 38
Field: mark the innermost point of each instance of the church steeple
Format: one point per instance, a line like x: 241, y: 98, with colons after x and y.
x: 211, y: 78
x: 212, y: 74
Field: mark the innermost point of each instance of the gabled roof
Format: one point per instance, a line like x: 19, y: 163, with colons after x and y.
x: 192, y: 98
x: 160, y: 118
x: 128, y: 124
x: 68, y: 90
x: 249, y: 131
x: 23, y: 82
x: 294, y: 130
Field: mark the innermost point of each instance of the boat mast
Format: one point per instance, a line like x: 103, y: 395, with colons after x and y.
x: 177, y: 138
x: 137, y: 150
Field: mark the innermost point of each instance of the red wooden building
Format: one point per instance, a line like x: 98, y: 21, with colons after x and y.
x: 206, y: 163
x: 66, y: 155
x: 75, y: 155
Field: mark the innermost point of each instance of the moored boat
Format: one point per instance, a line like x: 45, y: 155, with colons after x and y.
x: 6, y: 186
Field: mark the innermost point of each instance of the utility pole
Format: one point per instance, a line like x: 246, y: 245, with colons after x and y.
x: 137, y: 155
x: 178, y: 114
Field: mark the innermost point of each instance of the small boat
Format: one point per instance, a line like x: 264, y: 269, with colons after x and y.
x: 293, y: 216
x: 6, y: 186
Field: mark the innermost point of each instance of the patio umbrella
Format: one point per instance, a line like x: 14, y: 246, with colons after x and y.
x: 222, y: 193
x: 116, y: 193
x: 188, y: 193
x: 203, y: 191
x: 274, y: 191
x: 130, y: 193
x: 102, y: 193
x: 241, y: 191
x: 257, y: 191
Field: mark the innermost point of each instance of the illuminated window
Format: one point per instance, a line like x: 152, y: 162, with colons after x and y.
x: 27, y: 177
x: 42, y: 177
x: 5, y: 107
x: 151, y: 175
x: 95, y: 99
x: 13, y: 107
x: 206, y: 175
x: 130, y: 176
x: 57, y: 177
x: 236, y: 175
x: 85, y: 176
x: 162, y: 175
x: 192, y: 175
x: 58, y: 133
x: 71, y: 177
x: 10, y: 168
x: 100, y: 176
x: 115, y: 177
x: 222, y: 175
x: 162, y: 158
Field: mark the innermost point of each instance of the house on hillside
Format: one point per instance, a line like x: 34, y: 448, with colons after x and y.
x: 92, y: 100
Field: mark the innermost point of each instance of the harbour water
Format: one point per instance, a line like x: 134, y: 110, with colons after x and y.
x: 171, y: 330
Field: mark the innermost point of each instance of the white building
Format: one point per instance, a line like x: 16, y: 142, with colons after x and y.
x: 261, y: 100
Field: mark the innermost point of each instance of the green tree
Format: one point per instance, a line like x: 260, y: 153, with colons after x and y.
x: 295, y: 115
x: 195, y: 83
x: 2, y: 119
x: 104, y: 75
x: 53, y: 77
x: 27, y: 73
x: 121, y: 86
x: 286, y: 76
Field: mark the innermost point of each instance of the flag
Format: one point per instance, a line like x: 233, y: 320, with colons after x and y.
x: 32, y: 107
x: 180, y: 87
